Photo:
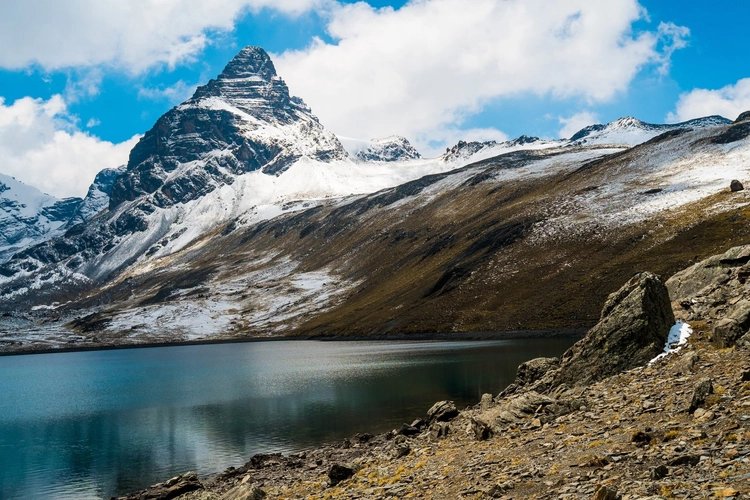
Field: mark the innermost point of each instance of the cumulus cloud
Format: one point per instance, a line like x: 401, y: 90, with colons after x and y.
x: 430, y: 64
x: 133, y: 35
x: 574, y: 123
x: 728, y: 102
x: 40, y: 145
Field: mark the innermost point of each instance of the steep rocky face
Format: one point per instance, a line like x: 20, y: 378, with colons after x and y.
x: 97, y: 197
x: 28, y: 216
x: 394, y: 148
x: 714, y: 292
x: 633, y: 329
x: 242, y: 121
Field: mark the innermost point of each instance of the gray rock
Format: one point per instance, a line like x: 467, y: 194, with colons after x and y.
x: 704, y: 276
x: 734, y: 325
x: 685, y: 460
x: 338, y: 473
x: 703, y: 388
x: 486, y: 402
x: 736, y: 185
x: 442, y: 411
x: 533, y: 370
x: 606, y: 492
x: 659, y: 472
x: 481, y: 429
x: 400, y: 450
x: 633, y: 329
x: 244, y: 492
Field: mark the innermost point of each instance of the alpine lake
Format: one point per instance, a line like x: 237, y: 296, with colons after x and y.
x: 96, y: 424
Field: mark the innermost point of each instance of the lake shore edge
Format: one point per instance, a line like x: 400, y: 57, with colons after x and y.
x: 417, y: 337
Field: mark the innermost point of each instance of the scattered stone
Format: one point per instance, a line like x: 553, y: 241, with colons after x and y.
x: 736, y: 185
x: 400, y: 450
x: 606, y: 492
x: 703, y: 388
x: 703, y: 415
x: 339, y: 473
x: 486, y: 402
x: 419, y: 424
x: 640, y: 438
x: 442, y: 411
x: 685, y: 460
x: 439, y: 430
x: 363, y: 437
x: 408, y: 430
x: 533, y: 370
x: 481, y: 430
x: 244, y: 492
x: 659, y: 472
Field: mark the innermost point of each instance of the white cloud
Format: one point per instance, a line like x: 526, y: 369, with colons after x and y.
x: 133, y: 35
x: 176, y: 93
x: 425, y: 67
x: 41, y: 146
x: 728, y: 102
x: 573, y: 124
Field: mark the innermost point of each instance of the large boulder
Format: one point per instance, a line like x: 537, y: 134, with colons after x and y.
x: 633, y: 329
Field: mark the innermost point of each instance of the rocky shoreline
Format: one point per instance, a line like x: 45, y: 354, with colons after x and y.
x: 600, y: 422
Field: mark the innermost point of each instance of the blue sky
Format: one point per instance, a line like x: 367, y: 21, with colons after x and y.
x: 81, y: 80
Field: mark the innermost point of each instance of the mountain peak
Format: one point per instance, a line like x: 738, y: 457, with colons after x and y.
x: 250, y: 62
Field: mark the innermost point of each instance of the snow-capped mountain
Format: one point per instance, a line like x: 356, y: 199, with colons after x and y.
x: 475, y: 150
x: 631, y: 131
x: 239, y: 214
x: 28, y: 216
x: 388, y: 149
x: 244, y: 120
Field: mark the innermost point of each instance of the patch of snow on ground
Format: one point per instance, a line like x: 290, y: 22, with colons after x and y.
x: 677, y: 338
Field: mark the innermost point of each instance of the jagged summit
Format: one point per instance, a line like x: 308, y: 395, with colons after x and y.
x: 393, y: 148
x: 242, y: 121
x: 250, y: 84
x: 248, y: 63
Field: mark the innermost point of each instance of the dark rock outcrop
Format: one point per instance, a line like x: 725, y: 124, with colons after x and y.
x: 744, y: 116
x: 442, y: 411
x: 736, y: 185
x: 339, y: 473
x: 224, y: 115
x: 633, y: 329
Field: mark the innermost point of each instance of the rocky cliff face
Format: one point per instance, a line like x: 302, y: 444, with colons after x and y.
x: 244, y: 120
x: 97, y: 197
x: 28, y: 216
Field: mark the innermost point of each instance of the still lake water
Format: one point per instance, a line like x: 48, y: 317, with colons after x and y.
x: 83, y: 425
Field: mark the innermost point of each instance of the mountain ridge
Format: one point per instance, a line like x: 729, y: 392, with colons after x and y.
x: 198, y: 238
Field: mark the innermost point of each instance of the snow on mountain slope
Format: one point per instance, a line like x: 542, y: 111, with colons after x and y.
x: 631, y: 131
x: 97, y: 197
x: 394, y: 148
x: 468, y: 152
x: 28, y: 216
